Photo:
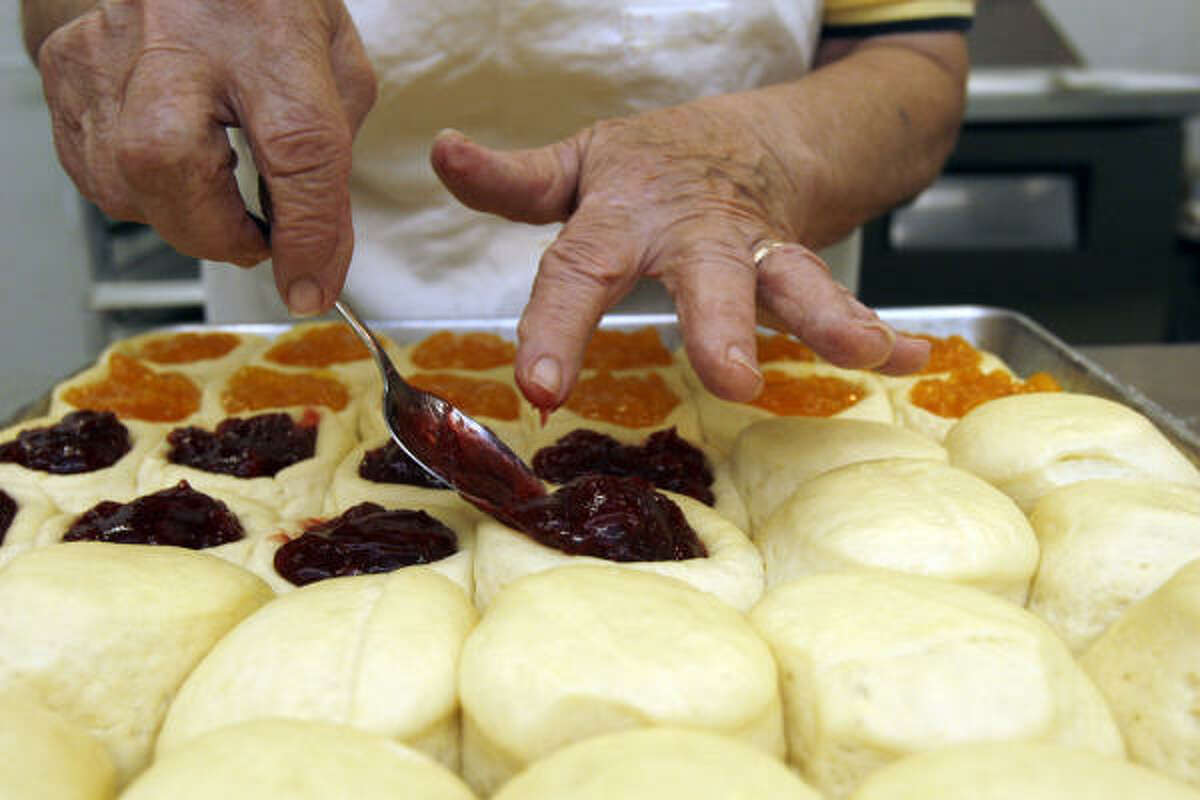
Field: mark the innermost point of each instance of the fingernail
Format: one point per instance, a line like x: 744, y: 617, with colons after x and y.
x: 450, y: 133
x: 546, y: 375
x: 738, y: 356
x: 889, y: 337
x: 304, y: 297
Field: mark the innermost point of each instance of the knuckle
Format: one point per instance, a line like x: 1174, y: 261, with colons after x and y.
x: 299, y: 143
x: 582, y: 261
x: 153, y: 144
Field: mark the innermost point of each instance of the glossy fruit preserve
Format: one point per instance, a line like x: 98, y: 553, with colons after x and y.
x: 179, y: 516
x: 365, y: 539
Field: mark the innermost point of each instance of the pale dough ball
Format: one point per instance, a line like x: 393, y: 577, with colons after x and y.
x: 732, y: 571
x: 277, y: 759
x: 722, y: 420
x: 877, y: 665
x: 1026, y: 445
x: 257, y: 524
x: 682, y: 417
x: 356, y: 371
x: 923, y: 421
x: 375, y: 652
x: 297, y: 490
x: 80, y: 491
x: 1018, y: 771
x: 911, y: 515
x: 102, y: 372
x: 279, y: 388
x: 772, y: 457
x: 200, y: 370
x: 575, y: 652
x: 656, y: 764
x: 33, y: 508
x: 48, y: 758
x: 1145, y: 663
x: 1105, y: 545
x: 106, y: 633
x: 458, y: 566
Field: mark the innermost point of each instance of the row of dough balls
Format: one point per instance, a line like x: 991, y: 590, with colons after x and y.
x: 816, y: 495
x: 838, y: 675
x: 699, y: 416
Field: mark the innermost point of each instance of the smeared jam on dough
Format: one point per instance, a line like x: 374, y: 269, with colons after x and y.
x: 252, y: 447
x: 390, y: 464
x: 8, y: 512
x: 186, y: 348
x: 134, y: 391
x: 473, y: 350
x: 665, y: 459
x: 320, y: 346
x: 948, y: 353
x: 365, y: 539
x: 808, y: 396
x: 179, y: 516
x: 83, y: 441
x: 257, y: 388
x: 635, y: 401
x: 781, y: 347
x: 612, y: 349
x: 964, y: 389
x: 610, y: 517
x: 475, y: 397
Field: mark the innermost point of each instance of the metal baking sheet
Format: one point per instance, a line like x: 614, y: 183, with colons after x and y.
x: 1019, y: 341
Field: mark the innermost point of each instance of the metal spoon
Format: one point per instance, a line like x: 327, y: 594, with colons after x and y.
x: 454, y: 448
x: 446, y: 443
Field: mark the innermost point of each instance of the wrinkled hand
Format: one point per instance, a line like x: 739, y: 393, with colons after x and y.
x: 141, y: 91
x: 684, y: 195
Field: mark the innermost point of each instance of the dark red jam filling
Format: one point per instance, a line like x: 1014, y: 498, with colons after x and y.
x: 83, y: 441
x: 365, y: 539
x: 252, y: 447
x: 390, y: 464
x: 8, y: 512
x: 619, y: 518
x: 665, y: 459
x: 179, y: 516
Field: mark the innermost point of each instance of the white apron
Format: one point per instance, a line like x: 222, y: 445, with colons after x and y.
x: 515, y: 73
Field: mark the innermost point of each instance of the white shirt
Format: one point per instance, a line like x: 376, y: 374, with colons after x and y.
x: 514, y: 73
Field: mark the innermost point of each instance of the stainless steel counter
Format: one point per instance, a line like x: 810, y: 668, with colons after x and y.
x: 1169, y: 374
x: 1057, y: 94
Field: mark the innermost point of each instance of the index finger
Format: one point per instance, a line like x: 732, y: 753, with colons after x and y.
x: 297, y: 127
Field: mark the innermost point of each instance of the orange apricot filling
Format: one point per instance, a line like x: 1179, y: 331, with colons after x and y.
x: 256, y: 388
x: 635, y: 401
x: 781, y: 347
x: 472, y: 350
x: 475, y: 397
x: 134, y: 391
x: 809, y: 396
x: 319, y: 346
x: 185, y: 348
x: 964, y: 389
x: 609, y: 349
x: 949, y: 353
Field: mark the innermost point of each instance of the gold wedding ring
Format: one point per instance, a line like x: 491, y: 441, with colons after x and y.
x: 765, y: 249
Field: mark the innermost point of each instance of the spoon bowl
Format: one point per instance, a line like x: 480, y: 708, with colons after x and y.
x: 454, y: 448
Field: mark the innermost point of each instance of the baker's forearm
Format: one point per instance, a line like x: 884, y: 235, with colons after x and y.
x: 864, y: 132
x: 40, y: 18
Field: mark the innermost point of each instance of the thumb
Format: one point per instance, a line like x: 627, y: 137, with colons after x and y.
x: 535, y: 186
